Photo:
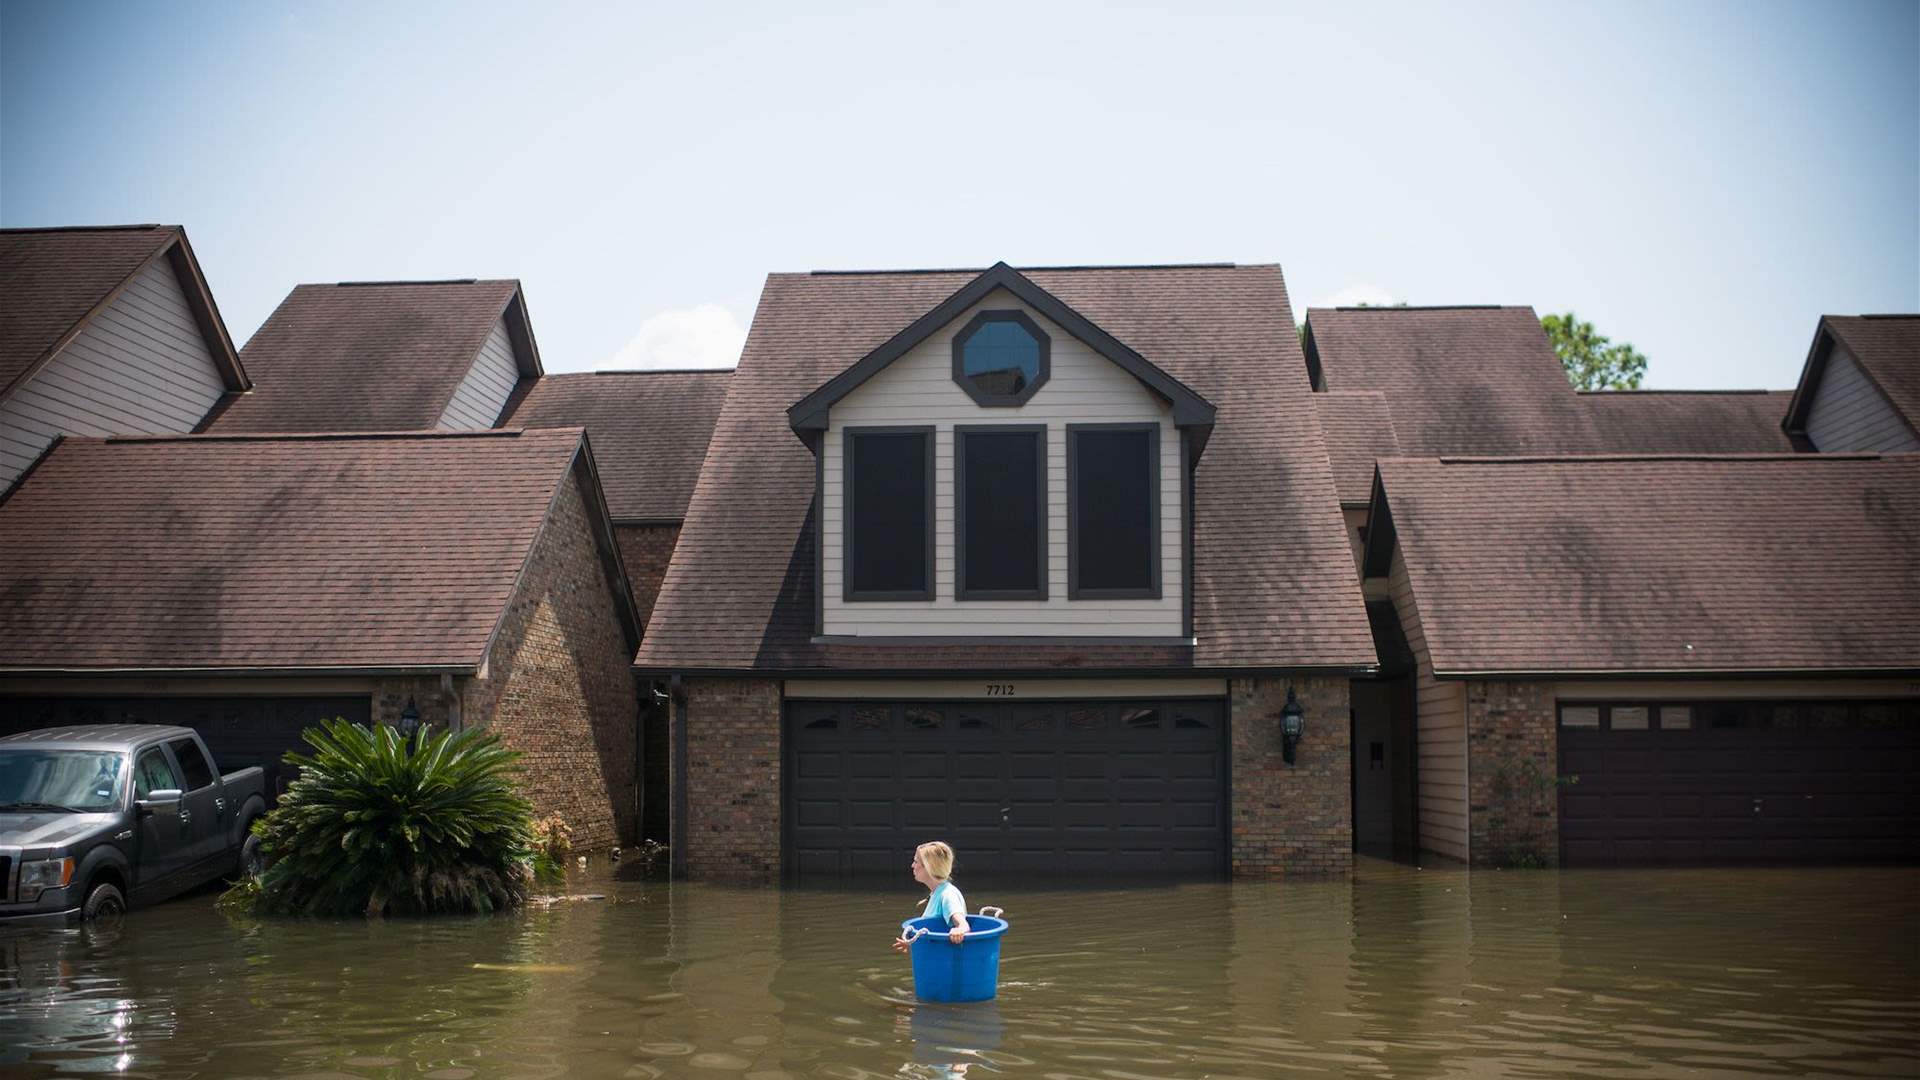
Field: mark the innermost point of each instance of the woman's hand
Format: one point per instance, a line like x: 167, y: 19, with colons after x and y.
x: 956, y: 934
x: 901, y: 945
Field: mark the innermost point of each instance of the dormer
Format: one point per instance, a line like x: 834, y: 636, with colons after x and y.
x: 1003, y: 468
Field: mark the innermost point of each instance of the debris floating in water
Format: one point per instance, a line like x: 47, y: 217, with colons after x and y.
x: 535, y: 968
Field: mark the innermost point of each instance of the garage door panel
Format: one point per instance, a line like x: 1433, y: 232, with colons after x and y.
x: 1061, y: 788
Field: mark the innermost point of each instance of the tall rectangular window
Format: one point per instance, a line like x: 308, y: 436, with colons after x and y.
x: 888, y: 493
x: 1113, y: 511
x: 1000, y: 524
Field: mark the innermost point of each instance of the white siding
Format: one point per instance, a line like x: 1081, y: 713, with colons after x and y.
x: 1440, y: 721
x: 1848, y: 413
x: 489, y: 382
x: 140, y: 367
x: 1084, y: 388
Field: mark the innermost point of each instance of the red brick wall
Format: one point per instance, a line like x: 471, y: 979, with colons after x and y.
x: 732, y: 781
x: 1291, y: 819
x: 646, y: 550
x: 1512, y: 759
x: 559, y: 686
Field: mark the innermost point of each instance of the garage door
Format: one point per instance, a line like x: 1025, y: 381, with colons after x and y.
x: 240, y: 732
x: 1740, y: 782
x: 1082, y: 788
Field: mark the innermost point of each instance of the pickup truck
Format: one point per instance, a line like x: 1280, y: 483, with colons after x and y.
x: 97, y: 819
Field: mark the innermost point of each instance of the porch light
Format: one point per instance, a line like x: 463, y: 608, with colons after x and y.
x: 410, y: 721
x: 1291, y: 721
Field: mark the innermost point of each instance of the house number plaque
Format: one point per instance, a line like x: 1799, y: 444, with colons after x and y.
x: 999, y: 689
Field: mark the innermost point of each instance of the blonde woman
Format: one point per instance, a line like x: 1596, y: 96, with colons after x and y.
x: 932, y: 866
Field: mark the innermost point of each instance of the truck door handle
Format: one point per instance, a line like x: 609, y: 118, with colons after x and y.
x: 220, y: 805
x: 186, y: 816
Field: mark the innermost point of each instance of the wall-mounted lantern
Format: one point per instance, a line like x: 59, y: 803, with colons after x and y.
x: 410, y: 721
x: 1292, y: 719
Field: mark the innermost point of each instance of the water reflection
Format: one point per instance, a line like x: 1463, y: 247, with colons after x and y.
x: 1399, y: 972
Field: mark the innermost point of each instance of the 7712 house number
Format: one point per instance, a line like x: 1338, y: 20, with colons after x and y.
x: 999, y: 689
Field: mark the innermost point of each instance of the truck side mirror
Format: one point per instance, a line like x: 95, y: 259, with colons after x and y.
x: 164, y: 801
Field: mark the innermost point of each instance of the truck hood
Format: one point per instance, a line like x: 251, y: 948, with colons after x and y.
x: 49, y: 828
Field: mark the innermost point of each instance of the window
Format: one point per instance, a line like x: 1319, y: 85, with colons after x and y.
x: 1627, y: 717
x: 1113, y: 511
x: 1676, y: 717
x: 870, y: 718
x: 1000, y: 524
x: 1139, y: 718
x: 923, y: 719
x: 888, y: 493
x: 1001, y: 357
x: 1580, y: 716
x: 152, y: 773
x: 193, y: 763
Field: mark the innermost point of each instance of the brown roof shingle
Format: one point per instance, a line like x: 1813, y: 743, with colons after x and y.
x: 650, y: 431
x: 1458, y: 380
x: 1689, y: 421
x: 1662, y: 564
x: 53, y: 279
x: 1359, y: 430
x: 1273, y: 579
x: 1888, y: 348
x: 376, y: 356
x: 293, y: 552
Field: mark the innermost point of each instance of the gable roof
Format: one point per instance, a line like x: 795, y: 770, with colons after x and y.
x: 1189, y: 408
x: 371, y: 356
x: 1689, y: 421
x: 284, y: 553
x: 1458, y: 380
x: 1359, y: 430
x: 650, y: 431
x: 54, y: 281
x: 1273, y: 582
x: 1887, y: 350
x: 1659, y: 564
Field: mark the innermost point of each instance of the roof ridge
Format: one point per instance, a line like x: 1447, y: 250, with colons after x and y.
x: 1426, y: 307
x: 85, y: 228
x: 644, y: 371
x: 334, y: 436
x: 1668, y: 390
x: 417, y: 281
x: 1031, y: 269
x: 1599, y: 458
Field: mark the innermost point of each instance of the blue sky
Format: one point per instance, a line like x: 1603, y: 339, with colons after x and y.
x: 1703, y: 180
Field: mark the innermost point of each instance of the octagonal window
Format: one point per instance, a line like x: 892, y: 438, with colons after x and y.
x: 1001, y: 358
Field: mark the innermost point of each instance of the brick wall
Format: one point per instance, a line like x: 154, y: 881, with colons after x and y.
x: 732, y: 782
x: 559, y: 688
x: 1291, y: 819
x: 1512, y: 760
x: 390, y: 697
x: 646, y: 550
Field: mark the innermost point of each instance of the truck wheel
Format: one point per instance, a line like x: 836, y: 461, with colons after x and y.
x: 252, y: 863
x: 104, y: 901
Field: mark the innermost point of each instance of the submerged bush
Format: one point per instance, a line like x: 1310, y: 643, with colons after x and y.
x: 377, y: 824
x: 552, y: 842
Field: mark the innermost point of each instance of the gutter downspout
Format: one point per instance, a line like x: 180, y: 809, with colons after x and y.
x: 677, y: 716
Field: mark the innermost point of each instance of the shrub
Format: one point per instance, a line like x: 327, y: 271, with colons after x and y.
x: 379, y: 825
x: 552, y: 843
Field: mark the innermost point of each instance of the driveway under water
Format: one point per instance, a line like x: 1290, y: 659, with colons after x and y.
x: 1399, y: 972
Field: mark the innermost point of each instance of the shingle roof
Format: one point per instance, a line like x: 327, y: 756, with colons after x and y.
x: 53, y: 279
x: 1887, y: 347
x: 1689, y: 421
x: 1466, y: 380
x: 649, y: 428
x: 1656, y: 564
x: 1274, y: 582
x: 1359, y: 429
x: 379, y: 356
x: 271, y: 552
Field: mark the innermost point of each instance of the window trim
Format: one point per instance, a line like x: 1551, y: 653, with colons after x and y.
x: 848, y: 437
x: 960, y: 433
x: 1074, y: 591
x: 1001, y: 401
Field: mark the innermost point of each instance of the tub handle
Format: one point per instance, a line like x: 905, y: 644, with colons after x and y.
x: 915, y: 934
x: 992, y: 912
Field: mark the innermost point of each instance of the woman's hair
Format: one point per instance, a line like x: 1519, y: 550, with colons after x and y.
x: 937, y: 857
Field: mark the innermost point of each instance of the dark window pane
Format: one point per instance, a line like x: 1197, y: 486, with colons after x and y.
x: 870, y: 718
x: 1035, y: 722
x: 1115, y: 531
x: 1002, y: 512
x: 887, y: 481
x: 1000, y: 358
x: 825, y: 723
x: 193, y: 763
x: 1139, y: 718
x: 920, y: 719
x: 1189, y: 723
x: 1086, y: 719
x: 152, y: 774
x: 974, y: 722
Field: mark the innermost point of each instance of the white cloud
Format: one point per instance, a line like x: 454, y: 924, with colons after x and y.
x: 1360, y: 292
x: 706, y: 336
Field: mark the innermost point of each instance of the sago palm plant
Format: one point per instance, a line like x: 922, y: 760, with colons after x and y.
x: 378, y: 824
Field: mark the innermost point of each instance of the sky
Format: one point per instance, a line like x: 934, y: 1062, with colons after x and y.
x: 1703, y: 180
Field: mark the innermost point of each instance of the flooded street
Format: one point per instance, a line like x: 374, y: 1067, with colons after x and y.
x: 1400, y: 972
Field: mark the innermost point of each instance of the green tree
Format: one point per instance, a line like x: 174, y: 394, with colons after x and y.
x: 1592, y: 360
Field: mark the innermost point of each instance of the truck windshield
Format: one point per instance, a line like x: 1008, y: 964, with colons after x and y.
x: 82, y: 781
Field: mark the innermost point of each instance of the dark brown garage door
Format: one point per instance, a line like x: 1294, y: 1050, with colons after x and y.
x: 240, y: 732
x: 1739, y: 782
x: 1084, y: 788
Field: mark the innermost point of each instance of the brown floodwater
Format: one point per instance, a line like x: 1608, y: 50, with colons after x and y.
x: 1399, y: 972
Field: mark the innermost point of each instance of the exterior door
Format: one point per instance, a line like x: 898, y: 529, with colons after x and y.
x: 202, y: 810
x: 1073, y: 788
x: 165, y: 842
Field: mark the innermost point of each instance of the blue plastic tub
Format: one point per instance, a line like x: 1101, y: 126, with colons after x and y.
x: 943, y: 971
